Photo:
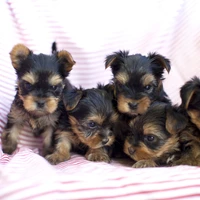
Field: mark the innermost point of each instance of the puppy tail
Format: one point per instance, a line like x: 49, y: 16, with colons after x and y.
x: 54, y: 48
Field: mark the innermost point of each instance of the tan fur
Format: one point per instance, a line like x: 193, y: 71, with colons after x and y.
x: 30, y: 104
x: 62, y: 151
x: 143, y: 105
x: 94, y: 141
x: 110, y: 63
x: 11, y: 144
x: 54, y: 80
x: 144, y: 163
x: 143, y: 152
x: 97, y: 155
x: 195, y: 117
x: 18, y: 52
x: 64, y: 55
x: 122, y: 77
x: 30, y: 78
x: 147, y: 79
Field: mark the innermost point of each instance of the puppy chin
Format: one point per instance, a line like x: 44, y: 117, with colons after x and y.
x: 39, y: 113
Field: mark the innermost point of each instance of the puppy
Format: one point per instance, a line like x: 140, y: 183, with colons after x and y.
x: 190, y: 106
x: 190, y: 96
x: 86, y: 126
x: 40, y: 82
x: 153, y: 138
x: 137, y: 83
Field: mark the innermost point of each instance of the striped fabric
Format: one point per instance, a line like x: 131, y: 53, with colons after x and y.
x: 90, y: 30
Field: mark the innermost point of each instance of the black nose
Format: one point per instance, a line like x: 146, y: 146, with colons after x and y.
x: 133, y: 106
x: 105, y: 140
x: 40, y: 104
x: 131, y: 150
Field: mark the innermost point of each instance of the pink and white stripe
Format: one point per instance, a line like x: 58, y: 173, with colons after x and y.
x: 90, y: 30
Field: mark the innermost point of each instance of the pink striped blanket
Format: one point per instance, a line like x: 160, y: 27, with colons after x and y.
x: 90, y: 30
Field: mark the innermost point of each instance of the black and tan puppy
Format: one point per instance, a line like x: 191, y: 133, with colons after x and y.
x: 190, y: 105
x: 153, y: 138
x: 137, y: 83
x: 40, y: 82
x: 190, y: 95
x: 86, y: 126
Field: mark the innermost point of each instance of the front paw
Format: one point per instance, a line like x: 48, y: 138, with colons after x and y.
x: 98, y: 157
x: 56, y: 158
x: 8, y: 146
x: 144, y: 164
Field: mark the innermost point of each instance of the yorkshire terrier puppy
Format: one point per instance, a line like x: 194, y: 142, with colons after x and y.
x: 40, y: 82
x: 137, y: 83
x: 190, y: 140
x: 153, y: 138
x: 190, y: 95
x: 85, y: 126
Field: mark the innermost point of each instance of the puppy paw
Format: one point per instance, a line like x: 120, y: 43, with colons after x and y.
x: 56, y: 158
x: 144, y: 164
x: 98, y: 157
x: 8, y: 146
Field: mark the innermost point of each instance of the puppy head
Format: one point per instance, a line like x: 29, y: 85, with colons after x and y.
x: 155, y: 133
x: 91, y: 116
x: 40, y: 78
x: 190, y: 95
x: 138, y: 80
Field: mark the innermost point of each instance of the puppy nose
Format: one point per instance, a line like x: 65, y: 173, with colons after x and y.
x: 105, y: 140
x: 133, y: 106
x: 40, y: 104
x: 131, y: 150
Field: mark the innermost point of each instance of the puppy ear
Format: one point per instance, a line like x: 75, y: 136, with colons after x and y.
x: 66, y: 62
x: 116, y: 60
x: 189, y: 93
x: 175, y: 121
x: 190, y: 96
x: 71, y: 98
x: 19, y: 53
x: 160, y: 63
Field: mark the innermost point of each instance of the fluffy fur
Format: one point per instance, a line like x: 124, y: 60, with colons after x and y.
x: 40, y: 82
x: 86, y: 126
x: 137, y: 83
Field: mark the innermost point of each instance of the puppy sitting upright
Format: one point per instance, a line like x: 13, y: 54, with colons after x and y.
x: 40, y: 81
x: 86, y: 126
x: 137, y: 83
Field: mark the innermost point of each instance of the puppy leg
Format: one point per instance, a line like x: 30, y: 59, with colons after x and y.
x: 47, y: 140
x: 97, y: 155
x: 62, y: 149
x: 144, y: 163
x: 10, y: 137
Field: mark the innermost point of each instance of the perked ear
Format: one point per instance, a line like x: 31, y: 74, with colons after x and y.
x: 19, y: 53
x: 71, y: 98
x: 175, y: 121
x: 160, y: 63
x: 66, y: 61
x: 189, y: 93
x: 115, y: 60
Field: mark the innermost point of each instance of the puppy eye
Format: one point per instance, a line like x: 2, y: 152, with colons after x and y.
x: 147, y: 87
x: 150, y: 138
x: 92, y: 124
x: 28, y: 86
x: 54, y: 87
